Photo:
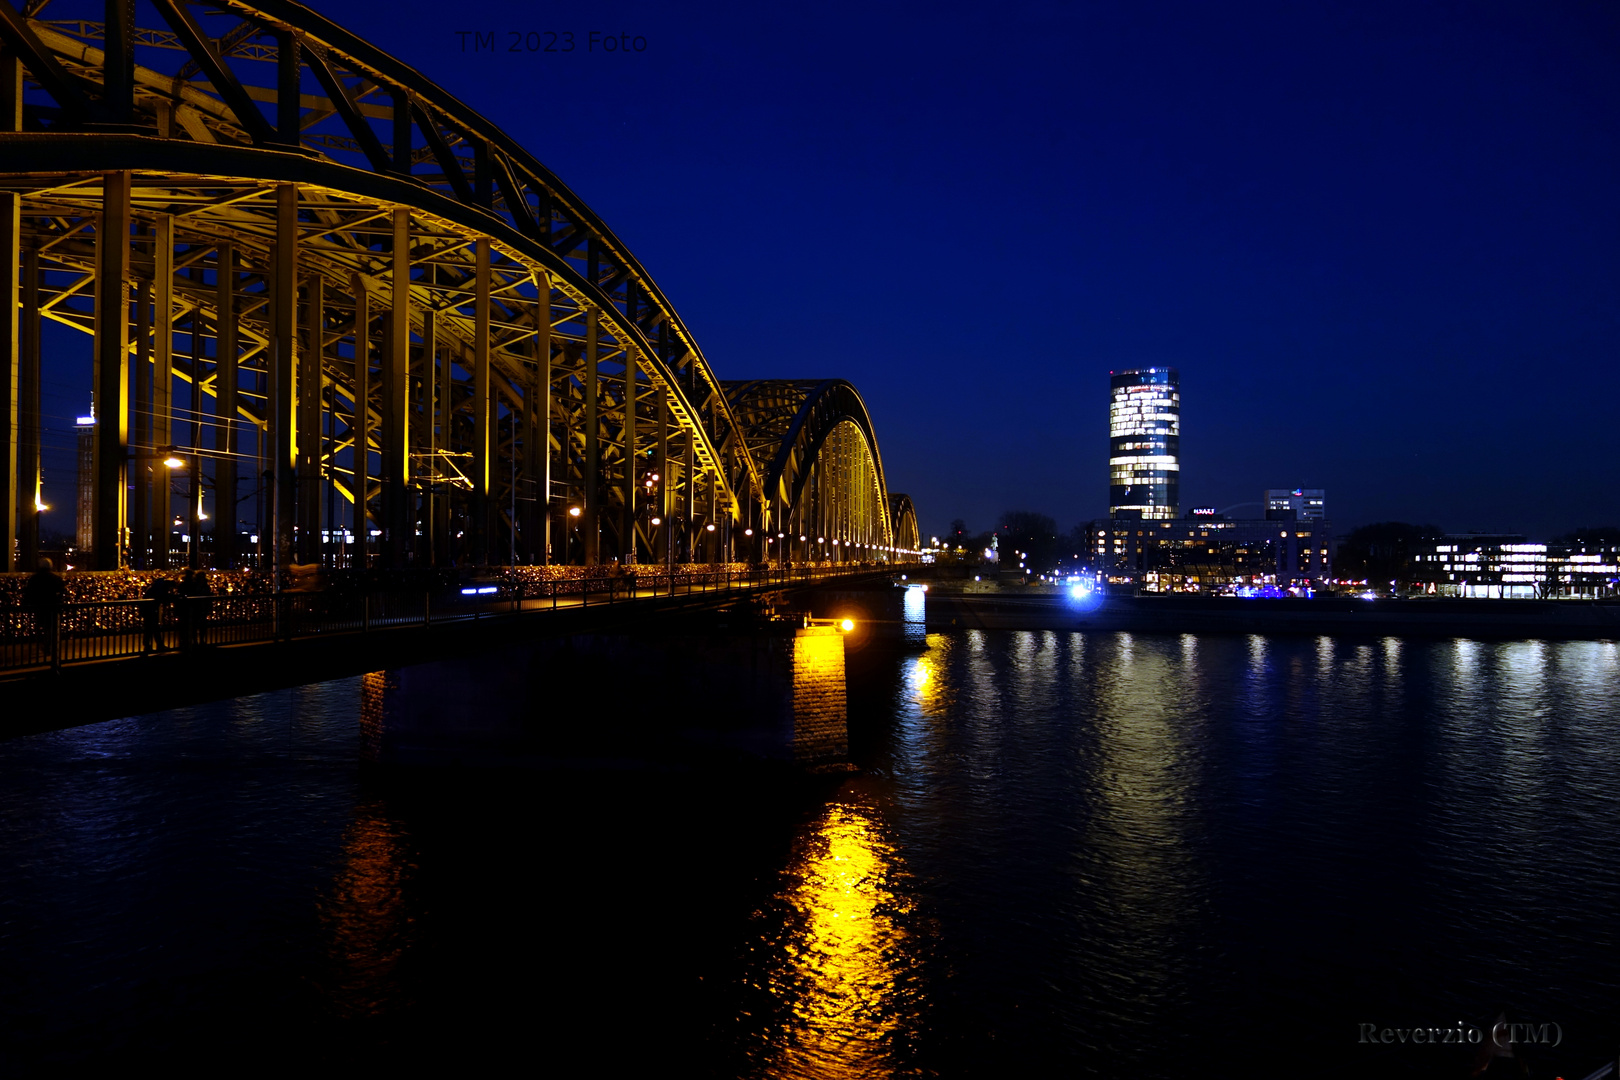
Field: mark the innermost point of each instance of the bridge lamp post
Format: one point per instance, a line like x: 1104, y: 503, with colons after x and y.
x: 194, y: 505
x: 573, y: 513
x: 171, y: 461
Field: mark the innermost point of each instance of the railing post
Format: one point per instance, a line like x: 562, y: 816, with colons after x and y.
x: 427, y: 608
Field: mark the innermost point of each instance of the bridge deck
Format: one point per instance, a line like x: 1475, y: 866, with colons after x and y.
x: 114, y: 661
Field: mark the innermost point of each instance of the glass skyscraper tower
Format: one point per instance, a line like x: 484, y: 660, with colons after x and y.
x: 1144, y: 447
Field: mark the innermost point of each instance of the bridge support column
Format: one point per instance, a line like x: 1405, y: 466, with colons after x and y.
x: 194, y: 466
x: 281, y: 412
x: 226, y: 444
x: 112, y: 373
x: 396, y: 462
x: 537, y: 435
x: 662, y: 532
x: 483, y: 406
x: 157, y: 521
x: 28, y: 408
x: 10, y: 374
x: 432, y: 544
x: 632, y: 463
x: 689, y: 511
x: 308, y: 394
x: 360, y: 419
x: 593, y: 444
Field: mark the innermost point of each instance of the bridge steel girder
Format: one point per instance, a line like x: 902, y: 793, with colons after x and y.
x: 903, y: 516
x: 411, y: 235
x: 789, y: 424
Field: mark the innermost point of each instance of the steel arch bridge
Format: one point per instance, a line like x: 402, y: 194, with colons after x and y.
x: 335, y: 299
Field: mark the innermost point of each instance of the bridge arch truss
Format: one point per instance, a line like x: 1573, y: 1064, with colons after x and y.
x: 348, y: 301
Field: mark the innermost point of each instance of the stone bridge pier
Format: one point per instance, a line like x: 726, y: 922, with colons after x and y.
x: 888, y: 617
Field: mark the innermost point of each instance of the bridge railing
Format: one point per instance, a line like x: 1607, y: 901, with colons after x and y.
x: 114, y: 629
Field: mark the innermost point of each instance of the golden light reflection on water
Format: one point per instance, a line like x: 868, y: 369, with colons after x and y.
x: 840, y: 969
x: 923, y: 677
x: 365, y: 916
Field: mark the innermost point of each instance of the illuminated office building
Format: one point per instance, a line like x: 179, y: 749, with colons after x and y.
x: 1211, y: 554
x: 1296, y: 504
x: 1472, y: 564
x: 1144, y: 432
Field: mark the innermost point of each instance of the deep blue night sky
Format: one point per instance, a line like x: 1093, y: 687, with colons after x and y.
x: 1380, y: 241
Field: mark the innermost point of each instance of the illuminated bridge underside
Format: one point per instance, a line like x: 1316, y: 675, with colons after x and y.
x: 360, y: 306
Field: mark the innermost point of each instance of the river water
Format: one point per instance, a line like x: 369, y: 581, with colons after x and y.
x: 1066, y: 854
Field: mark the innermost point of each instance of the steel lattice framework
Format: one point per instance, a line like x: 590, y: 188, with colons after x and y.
x: 335, y: 283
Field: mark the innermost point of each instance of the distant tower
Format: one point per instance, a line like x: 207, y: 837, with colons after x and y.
x: 1144, y: 448
x: 86, y: 428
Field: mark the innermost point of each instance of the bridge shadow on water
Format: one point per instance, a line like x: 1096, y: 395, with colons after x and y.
x: 275, y: 904
x: 629, y: 905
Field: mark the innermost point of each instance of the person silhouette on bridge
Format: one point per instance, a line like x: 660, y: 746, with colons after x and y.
x: 194, y: 587
x: 43, y: 594
x: 159, y: 595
